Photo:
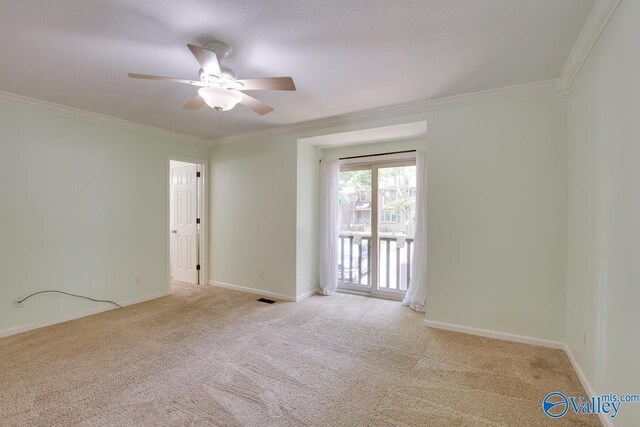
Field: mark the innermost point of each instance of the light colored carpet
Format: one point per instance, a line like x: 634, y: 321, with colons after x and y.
x: 208, y: 356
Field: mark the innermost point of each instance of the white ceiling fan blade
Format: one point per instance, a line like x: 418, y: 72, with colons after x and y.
x: 268, y: 83
x: 195, y: 104
x: 207, y: 59
x: 253, y: 104
x: 166, y: 79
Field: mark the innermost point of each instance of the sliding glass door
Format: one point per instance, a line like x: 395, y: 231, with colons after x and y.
x: 377, y: 223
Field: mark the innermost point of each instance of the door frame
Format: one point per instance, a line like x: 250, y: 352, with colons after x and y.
x: 374, y: 164
x: 203, y: 212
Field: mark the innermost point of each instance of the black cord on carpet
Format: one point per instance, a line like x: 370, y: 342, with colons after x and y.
x: 67, y: 293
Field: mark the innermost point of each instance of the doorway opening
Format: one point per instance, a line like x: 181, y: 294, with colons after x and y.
x: 377, y: 225
x: 186, y: 232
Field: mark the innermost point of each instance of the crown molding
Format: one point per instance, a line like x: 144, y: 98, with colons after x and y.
x: 545, y: 87
x: 12, y: 98
x: 596, y: 22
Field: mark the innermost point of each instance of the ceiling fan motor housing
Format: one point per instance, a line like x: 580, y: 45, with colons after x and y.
x: 224, y: 71
x: 221, y: 49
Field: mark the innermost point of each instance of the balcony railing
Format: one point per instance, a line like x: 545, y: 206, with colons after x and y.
x: 354, y: 253
x: 394, y: 261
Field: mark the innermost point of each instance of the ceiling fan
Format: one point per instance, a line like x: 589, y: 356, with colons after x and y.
x: 219, y: 87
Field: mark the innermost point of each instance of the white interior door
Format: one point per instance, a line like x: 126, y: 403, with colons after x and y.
x: 184, y: 227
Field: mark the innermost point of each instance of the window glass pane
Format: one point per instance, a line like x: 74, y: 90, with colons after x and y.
x: 396, y: 226
x: 355, y: 227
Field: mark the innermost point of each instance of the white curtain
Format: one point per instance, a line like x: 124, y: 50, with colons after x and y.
x: 329, y: 214
x: 417, y: 293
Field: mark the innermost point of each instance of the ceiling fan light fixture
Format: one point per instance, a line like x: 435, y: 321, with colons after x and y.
x: 219, y: 99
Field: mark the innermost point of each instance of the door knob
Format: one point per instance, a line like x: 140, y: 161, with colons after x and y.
x: 174, y: 231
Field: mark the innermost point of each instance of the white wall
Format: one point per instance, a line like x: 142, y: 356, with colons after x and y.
x: 82, y: 209
x: 603, y: 294
x: 307, y: 218
x: 497, y: 223
x: 253, y: 215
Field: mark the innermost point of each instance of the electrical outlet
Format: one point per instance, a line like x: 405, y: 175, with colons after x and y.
x: 261, y: 273
x: 16, y: 303
x: 138, y: 279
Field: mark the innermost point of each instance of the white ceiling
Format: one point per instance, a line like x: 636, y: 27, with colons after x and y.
x: 345, y: 55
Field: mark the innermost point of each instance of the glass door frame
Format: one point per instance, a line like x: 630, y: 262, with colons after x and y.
x: 374, y: 164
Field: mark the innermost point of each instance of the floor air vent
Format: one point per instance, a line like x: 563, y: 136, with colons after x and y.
x: 266, y: 301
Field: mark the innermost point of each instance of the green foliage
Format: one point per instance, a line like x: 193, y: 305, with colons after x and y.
x: 354, y: 183
x: 355, y: 189
x: 400, y: 181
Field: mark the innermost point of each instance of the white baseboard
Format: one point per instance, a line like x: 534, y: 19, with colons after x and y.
x: 78, y: 314
x: 495, y: 334
x: 262, y: 293
x: 307, y: 294
x: 606, y: 421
